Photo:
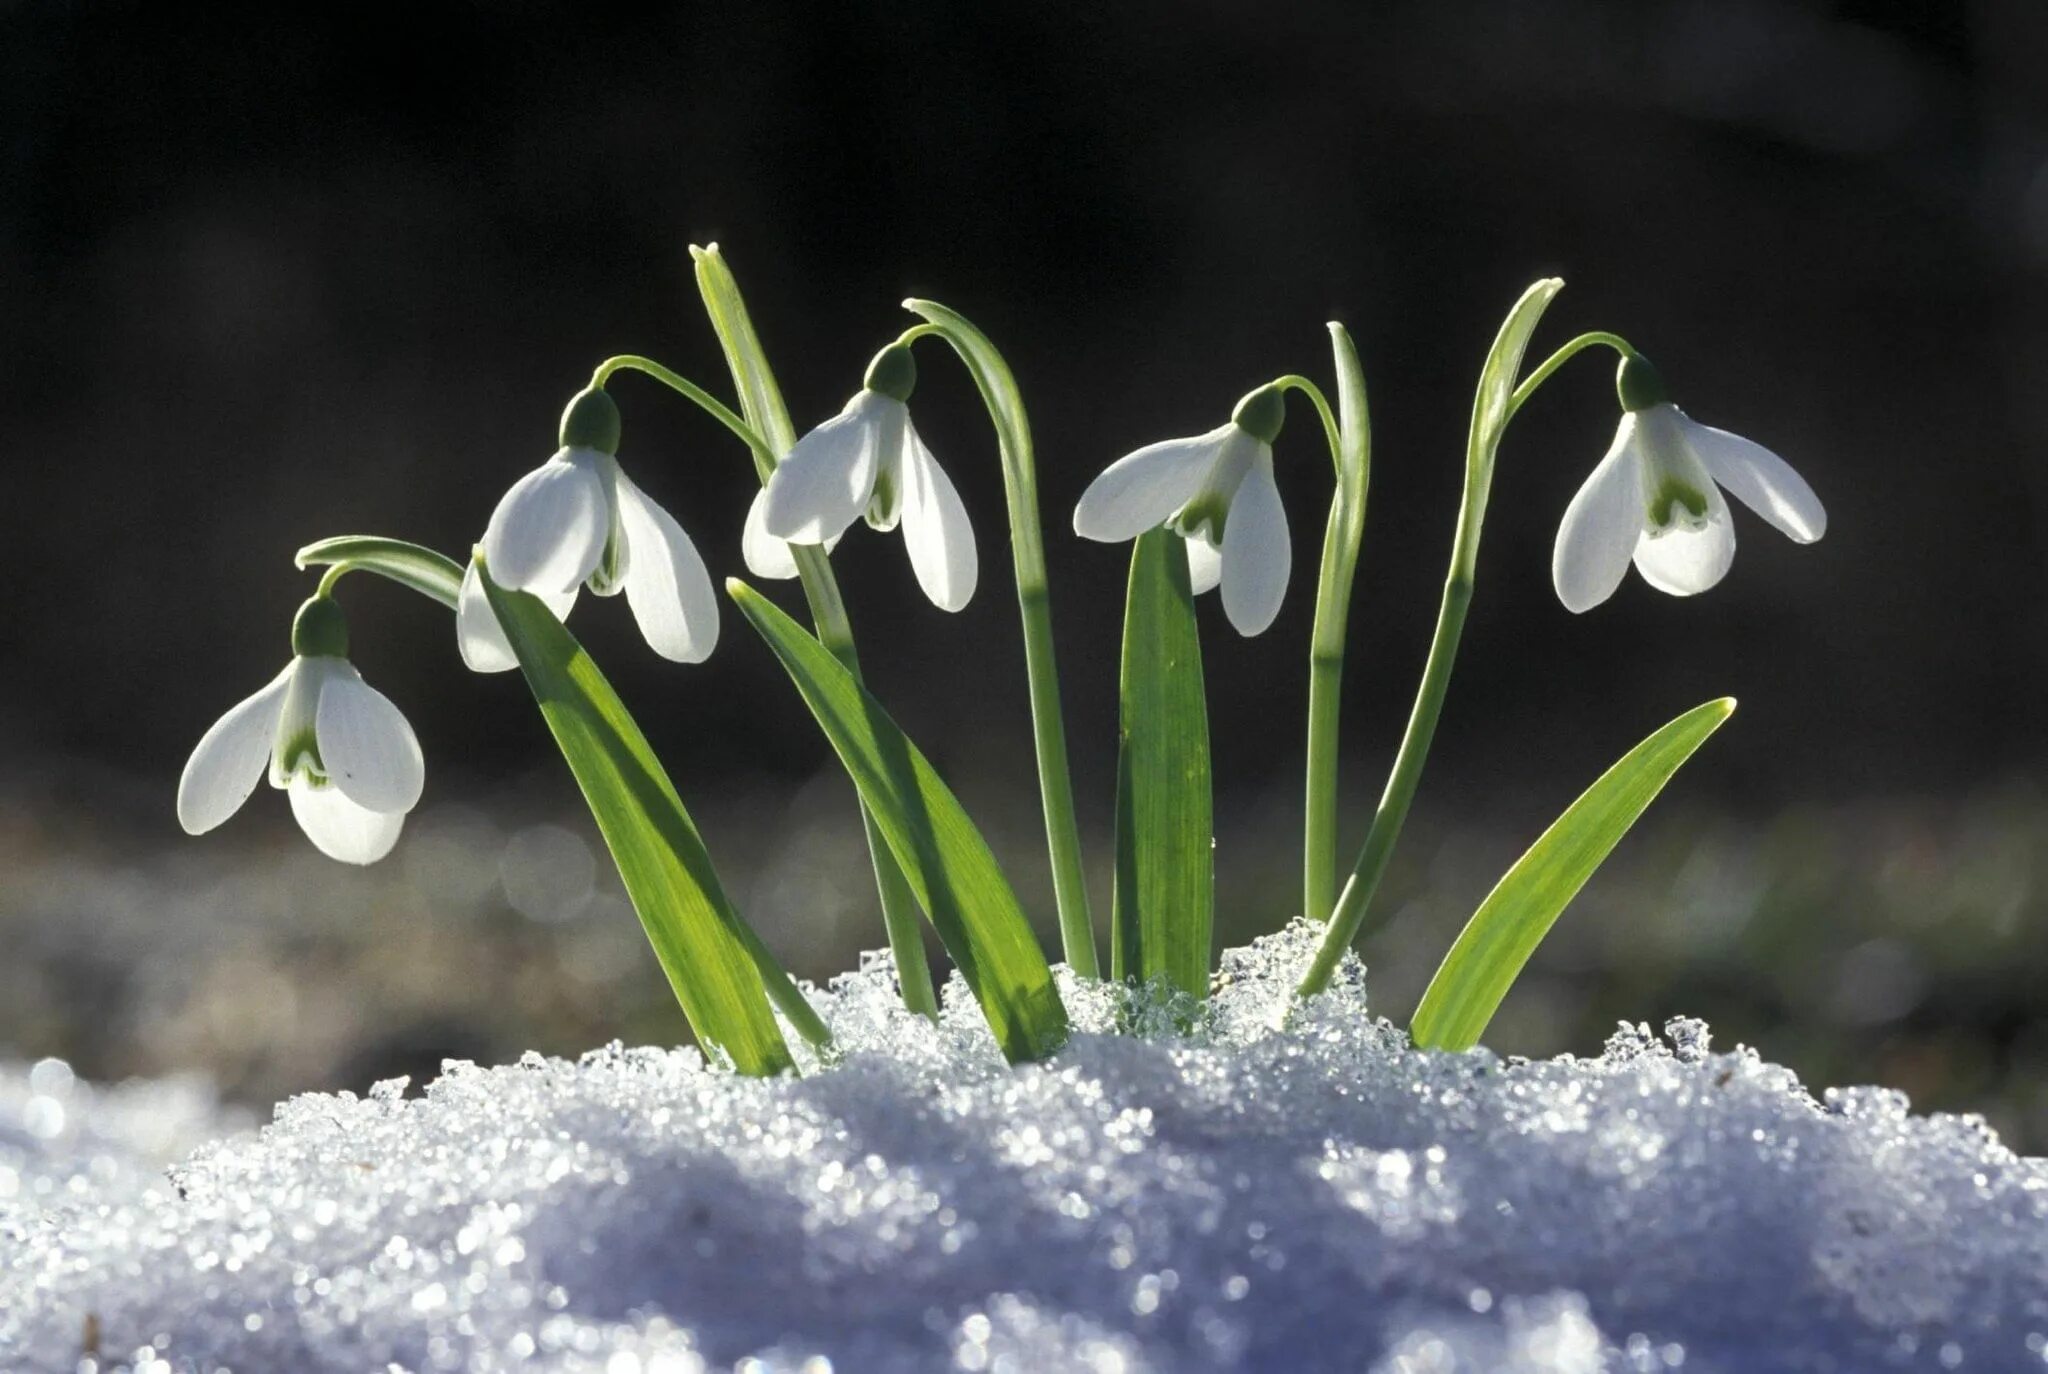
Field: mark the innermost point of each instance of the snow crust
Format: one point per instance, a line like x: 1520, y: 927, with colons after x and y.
x: 1238, y: 1196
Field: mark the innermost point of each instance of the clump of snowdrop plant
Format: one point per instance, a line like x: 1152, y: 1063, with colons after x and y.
x: 1199, y: 513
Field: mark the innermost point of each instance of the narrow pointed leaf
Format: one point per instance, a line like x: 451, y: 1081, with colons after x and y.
x: 761, y: 403
x: 707, y: 950
x: 1165, y: 893
x: 410, y: 565
x: 1491, y: 403
x: 947, y: 862
x: 1519, y: 912
x: 760, y: 397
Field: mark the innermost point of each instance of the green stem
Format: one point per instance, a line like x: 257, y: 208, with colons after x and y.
x: 771, y: 435
x: 711, y: 405
x: 1492, y: 407
x: 1294, y: 381
x: 998, y: 387
x: 783, y: 991
x: 1351, y: 452
x: 431, y: 574
x: 1598, y: 338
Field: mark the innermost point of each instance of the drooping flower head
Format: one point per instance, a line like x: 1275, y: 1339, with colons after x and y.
x: 336, y: 745
x: 1656, y: 500
x: 869, y: 461
x: 1215, y: 490
x: 578, y: 520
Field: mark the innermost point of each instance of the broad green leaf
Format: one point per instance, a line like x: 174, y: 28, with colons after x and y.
x: 1165, y: 893
x: 1519, y: 912
x: 703, y: 945
x: 410, y: 565
x: 948, y: 863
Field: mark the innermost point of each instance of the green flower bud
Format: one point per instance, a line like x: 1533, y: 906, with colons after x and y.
x: 320, y: 630
x: 591, y: 420
x: 1638, y: 384
x: 893, y: 372
x: 1261, y: 413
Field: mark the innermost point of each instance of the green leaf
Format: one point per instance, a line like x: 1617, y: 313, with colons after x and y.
x: 410, y: 565
x: 760, y: 397
x: 707, y: 950
x: 1519, y: 912
x: 1165, y: 893
x: 948, y: 863
x: 1490, y: 404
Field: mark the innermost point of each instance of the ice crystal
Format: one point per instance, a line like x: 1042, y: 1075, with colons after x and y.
x: 1262, y: 1185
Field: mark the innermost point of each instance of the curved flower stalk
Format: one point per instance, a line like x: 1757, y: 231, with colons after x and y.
x: 1655, y: 500
x: 578, y: 520
x: 344, y: 754
x: 869, y: 461
x: 1216, y: 491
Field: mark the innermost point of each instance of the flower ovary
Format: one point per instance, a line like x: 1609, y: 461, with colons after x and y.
x: 893, y: 372
x: 320, y: 630
x: 1638, y: 384
x: 1261, y: 413
x: 591, y: 420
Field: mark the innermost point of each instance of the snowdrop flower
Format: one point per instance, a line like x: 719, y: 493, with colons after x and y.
x: 868, y: 460
x: 1215, y: 490
x: 342, y: 751
x: 1656, y: 499
x: 578, y: 519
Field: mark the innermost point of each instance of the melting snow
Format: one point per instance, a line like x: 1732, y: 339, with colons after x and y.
x: 1312, y: 1197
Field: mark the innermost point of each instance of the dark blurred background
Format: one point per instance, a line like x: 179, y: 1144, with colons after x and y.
x: 270, y: 275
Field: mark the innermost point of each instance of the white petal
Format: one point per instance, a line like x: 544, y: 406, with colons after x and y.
x: 825, y: 482
x: 1760, y: 479
x: 1685, y: 562
x: 1141, y: 491
x: 766, y: 555
x: 479, y: 636
x: 342, y: 830
x: 935, y: 527
x: 1600, y: 527
x: 229, y: 759
x: 367, y: 748
x: 667, y: 584
x: 549, y: 530
x: 1205, y: 564
x: 1256, y: 550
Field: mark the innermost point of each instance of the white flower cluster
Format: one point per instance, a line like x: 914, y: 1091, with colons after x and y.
x: 352, y: 765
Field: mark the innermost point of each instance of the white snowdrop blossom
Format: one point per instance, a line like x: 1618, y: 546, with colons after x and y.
x: 869, y: 461
x: 1656, y: 500
x: 1216, y: 491
x: 338, y: 747
x: 578, y: 520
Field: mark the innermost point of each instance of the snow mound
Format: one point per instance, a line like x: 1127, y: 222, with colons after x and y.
x: 1317, y: 1196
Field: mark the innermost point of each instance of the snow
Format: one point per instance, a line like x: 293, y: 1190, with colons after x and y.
x: 1245, y: 1196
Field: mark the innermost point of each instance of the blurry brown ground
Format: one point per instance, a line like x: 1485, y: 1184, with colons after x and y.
x: 1890, y: 941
